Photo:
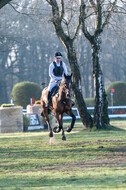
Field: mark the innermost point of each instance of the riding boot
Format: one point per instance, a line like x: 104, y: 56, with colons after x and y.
x: 48, y: 98
x: 73, y: 103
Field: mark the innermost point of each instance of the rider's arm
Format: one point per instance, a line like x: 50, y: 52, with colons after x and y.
x: 51, y: 67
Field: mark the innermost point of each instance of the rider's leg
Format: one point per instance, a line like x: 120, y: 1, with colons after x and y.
x: 51, y: 85
x: 73, y: 103
x: 48, y: 98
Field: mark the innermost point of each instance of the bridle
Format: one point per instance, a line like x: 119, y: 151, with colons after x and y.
x: 64, y: 88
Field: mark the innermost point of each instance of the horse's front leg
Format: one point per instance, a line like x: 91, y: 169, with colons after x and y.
x: 70, y: 113
x: 63, y: 133
x: 59, y: 122
x: 59, y: 118
x: 45, y: 113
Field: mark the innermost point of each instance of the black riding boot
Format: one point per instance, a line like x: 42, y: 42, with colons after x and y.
x: 73, y: 103
x: 48, y: 98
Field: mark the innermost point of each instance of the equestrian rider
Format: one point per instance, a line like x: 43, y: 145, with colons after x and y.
x: 56, y: 70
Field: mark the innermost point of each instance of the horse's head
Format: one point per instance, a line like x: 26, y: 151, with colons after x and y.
x: 67, y: 84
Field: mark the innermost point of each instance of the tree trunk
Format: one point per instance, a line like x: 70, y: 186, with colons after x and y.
x: 105, y: 117
x: 100, y: 114
x: 3, y: 83
x: 85, y: 116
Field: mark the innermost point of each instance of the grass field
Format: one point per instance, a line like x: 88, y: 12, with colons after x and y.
x: 86, y: 160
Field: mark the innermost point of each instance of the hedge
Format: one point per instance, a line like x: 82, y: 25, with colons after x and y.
x: 23, y: 91
x: 119, y: 96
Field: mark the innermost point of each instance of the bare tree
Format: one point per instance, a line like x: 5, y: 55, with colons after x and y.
x: 59, y: 18
x: 91, y: 9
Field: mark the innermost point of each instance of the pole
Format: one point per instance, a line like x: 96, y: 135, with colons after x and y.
x: 112, y: 100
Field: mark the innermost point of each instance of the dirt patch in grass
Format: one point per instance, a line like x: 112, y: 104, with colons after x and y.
x: 113, y: 156
x: 95, y: 142
x: 100, y: 153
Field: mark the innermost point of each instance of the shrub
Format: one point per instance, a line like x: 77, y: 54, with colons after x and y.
x: 23, y: 91
x: 26, y: 122
x: 119, y: 97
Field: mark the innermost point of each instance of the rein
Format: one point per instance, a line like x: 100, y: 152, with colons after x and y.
x: 63, y: 88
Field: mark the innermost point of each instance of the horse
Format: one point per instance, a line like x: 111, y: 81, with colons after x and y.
x: 60, y: 104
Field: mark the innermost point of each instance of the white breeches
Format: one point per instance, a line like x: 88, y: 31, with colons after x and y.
x: 52, y: 84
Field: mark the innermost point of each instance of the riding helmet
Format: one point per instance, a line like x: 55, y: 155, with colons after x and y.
x: 58, y: 54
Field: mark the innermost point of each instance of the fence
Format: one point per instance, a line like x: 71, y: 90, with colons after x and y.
x: 113, y: 111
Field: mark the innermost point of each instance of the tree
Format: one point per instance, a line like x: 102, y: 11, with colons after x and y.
x: 58, y: 20
x: 101, y: 19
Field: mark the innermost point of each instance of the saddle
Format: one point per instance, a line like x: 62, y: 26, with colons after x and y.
x: 54, y: 90
x: 53, y: 93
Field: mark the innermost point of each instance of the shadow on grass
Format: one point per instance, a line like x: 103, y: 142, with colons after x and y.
x: 108, y: 128
x: 67, y: 181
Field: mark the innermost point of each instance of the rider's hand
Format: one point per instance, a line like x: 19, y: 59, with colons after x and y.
x: 56, y: 80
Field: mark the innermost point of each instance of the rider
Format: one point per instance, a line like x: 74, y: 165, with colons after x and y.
x: 56, y: 70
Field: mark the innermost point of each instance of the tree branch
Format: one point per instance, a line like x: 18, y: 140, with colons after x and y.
x: 98, y: 19
x: 62, y: 10
x: 93, y: 5
x: 77, y: 29
x: 16, y: 10
x: 83, y: 21
x: 108, y: 16
x: 48, y: 1
x: 56, y: 19
x: 4, y: 2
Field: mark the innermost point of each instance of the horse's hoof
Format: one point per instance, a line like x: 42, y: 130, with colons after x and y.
x: 69, y: 129
x: 63, y: 138
x: 56, y: 130
x: 51, y: 134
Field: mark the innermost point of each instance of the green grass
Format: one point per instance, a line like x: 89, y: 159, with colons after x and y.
x: 87, y: 160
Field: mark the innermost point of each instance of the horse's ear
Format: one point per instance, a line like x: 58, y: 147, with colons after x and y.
x: 64, y: 75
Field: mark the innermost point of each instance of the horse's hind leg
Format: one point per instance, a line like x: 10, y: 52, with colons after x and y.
x: 59, y: 119
x: 63, y: 135
x: 70, y: 113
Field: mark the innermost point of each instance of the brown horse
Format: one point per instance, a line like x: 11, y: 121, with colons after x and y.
x: 60, y: 104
